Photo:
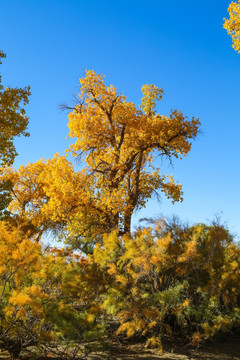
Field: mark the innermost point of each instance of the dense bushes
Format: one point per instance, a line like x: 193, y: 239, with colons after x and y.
x: 166, y: 280
x: 174, y: 280
x: 47, y: 296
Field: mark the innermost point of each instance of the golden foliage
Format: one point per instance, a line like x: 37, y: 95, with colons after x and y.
x: 232, y: 25
x: 119, y: 143
x: 171, y: 280
x: 13, y: 119
x: 45, y: 295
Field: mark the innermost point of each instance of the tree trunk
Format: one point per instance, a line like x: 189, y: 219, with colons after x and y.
x: 127, y: 223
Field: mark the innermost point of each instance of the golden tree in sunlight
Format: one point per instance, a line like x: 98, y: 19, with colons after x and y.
x: 119, y: 143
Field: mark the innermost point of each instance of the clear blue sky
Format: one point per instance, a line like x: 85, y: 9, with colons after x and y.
x: 178, y: 45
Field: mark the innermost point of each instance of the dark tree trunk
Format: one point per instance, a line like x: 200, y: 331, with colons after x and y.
x: 127, y: 223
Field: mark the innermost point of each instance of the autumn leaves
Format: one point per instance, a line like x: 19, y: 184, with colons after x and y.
x: 232, y: 25
x: 119, y: 143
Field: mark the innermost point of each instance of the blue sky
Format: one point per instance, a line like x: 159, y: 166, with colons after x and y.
x: 178, y: 45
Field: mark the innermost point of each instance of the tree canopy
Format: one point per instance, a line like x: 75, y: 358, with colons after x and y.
x: 232, y: 25
x: 119, y: 143
x: 13, y: 120
x: 13, y: 123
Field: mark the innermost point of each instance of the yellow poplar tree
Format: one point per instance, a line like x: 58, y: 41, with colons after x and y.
x: 119, y: 142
